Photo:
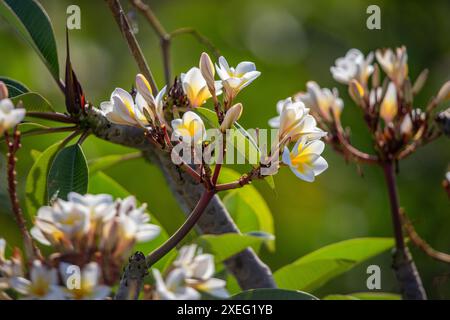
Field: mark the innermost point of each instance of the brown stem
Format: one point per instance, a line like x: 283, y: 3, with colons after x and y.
x: 421, y: 243
x: 132, y: 279
x: 13, y: 143
x: 403, y: 264
x: 136, y: 51
x: 181, y: 233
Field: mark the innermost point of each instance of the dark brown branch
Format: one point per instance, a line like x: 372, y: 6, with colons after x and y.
x: 54, y: 116
x: 403, y: 264
x: 127, y: 32
x: 421, y: 243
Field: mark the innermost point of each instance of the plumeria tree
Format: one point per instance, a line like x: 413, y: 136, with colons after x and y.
x: 85, y: 237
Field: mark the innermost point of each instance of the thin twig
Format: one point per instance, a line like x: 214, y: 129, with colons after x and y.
x: 31, y: 250
x: 52, y: 116
x: 421, y: 243
x: 200, y: 38
x: 181, y: 233
x: 136, y: 51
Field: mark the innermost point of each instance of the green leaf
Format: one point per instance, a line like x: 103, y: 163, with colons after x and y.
x: 364, y: 296
x: 33, y: 102
x: 247, y: 207
x: 226, y: 245
x: 36, y: 184
x: 102, y: 163
x: 315, y: 269
x: 69, y: 172
x: 33, y: 24
x: 273, y: 294
x: 102, y: 183
x: 15, y: 87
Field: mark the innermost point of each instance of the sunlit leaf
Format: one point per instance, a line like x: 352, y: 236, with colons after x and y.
x: 364, y: 296
x: 315, y: 269
x: 36, y: 185
x: 247, y: 207
x: 273, y: 294
x: 108, y: 161
x: 223, y: 246
x: 33, y: 101
x: 69, y: 172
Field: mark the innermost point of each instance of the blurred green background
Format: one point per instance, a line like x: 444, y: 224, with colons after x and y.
x: 291, y: 42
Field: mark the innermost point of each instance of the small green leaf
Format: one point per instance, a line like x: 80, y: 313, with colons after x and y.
x: 33, y: 102
x: 102, y: 163
x: 33, y: 24
x: 69, y: 172
x: 364, y: 296
x: 273, y: 294
x: 15, y: 87
x: 225, y: 245
x: 36, y: 184
x: 315, y: 269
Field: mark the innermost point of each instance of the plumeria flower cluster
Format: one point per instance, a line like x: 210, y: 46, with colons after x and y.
x: 45, y: 282
x: 94, y: 221
x: 387, y: 103
x: 9, y: 115
x: 190, y: 275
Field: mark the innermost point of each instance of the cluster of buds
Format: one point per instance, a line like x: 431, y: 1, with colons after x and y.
x: 396, y: 125
x: 190, y: 275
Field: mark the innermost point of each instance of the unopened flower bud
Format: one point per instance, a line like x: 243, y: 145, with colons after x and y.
x: 3, y: 91
x: 233, y: 114
x: 407, y: 126
x: 356, y: 91
x: 389, y: 106
x: 208, y: 71
x: 420, y: 81
x: 144, y: 89
x: 444, y: 93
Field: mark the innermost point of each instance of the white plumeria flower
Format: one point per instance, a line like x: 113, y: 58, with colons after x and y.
x: 174, y: 287
x: 89, y: 286
x: 121, y: 109
x: 324, y: 100
x: 305, y: 160
x: 134, y: 221
x: 196, y: 88
x: 2, y: 250
x: 9, y: 269
x: 9, y: 116
x: 129, y: 226
x: 101, y: 206
x: 353, y: 66
x: 295, y: 121
x: 61, y: 223
x: 237, y: 78
x: 389, y: 106
x: 190, y: 128
x: 199, y: 268
x: 43, y: 283
x: 395, y: 64
x: 146, y: 103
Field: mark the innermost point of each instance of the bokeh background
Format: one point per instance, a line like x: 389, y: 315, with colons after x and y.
x: 291, y: 42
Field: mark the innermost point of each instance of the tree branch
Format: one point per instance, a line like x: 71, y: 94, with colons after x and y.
x: 403, y: 264
x: 133, y: 45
